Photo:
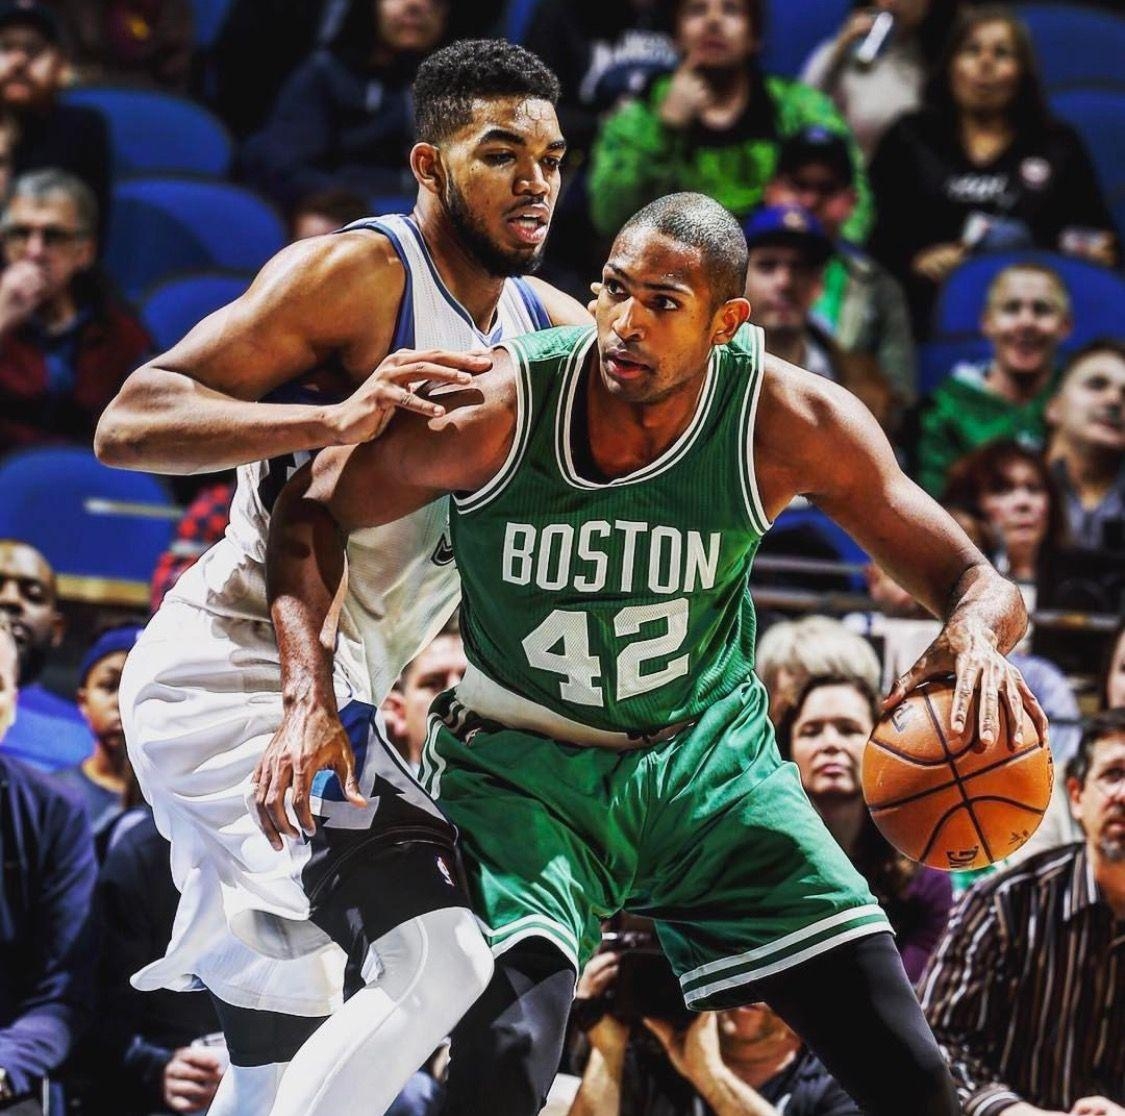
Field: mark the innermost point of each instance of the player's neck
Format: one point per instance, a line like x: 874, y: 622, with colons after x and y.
x: 475, y: 288
x: 625, y: 436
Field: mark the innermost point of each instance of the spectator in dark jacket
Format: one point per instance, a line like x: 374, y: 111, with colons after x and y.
x: 46, y: 964
x: 147, y: 1062
x: 983, y: 167
x: 66, y: 345
x: 345, y: 118
x: 51, y: 134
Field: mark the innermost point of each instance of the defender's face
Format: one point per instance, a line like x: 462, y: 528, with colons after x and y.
x: 503, y: 176
x: 656, y: 320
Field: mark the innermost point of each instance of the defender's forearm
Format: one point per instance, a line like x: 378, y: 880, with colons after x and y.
x: 983, y: 598
x: 305, y: 572
x: 165, y: 422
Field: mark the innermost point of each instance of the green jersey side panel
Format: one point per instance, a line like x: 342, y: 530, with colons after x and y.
x: 619, y: 604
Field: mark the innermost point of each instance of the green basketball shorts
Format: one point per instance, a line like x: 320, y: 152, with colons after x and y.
x: 708, y: 833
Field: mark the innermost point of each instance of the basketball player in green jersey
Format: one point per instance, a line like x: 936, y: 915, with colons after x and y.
x: 609, y: 747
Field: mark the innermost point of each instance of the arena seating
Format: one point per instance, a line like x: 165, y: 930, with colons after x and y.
x: 1076, y: 45
x: 794, y: 30
x: 1098, y: 112
x: 171, y: 308
x: 161, y: 227
x: 159, y: 133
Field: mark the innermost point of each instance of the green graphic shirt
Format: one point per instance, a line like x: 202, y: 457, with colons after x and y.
x: 622, y: 604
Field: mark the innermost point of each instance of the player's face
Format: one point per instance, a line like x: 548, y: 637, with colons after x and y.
x: 1026, y: 322
x: 1089, y: 409
x: 781, y: 284
x: 27, y: 595
x: 46, y: 232
x: 98, y: 700
x: 502, y: 182
x: 715, y: 34
x: 30, y: 67
x: 985, y: 71
x: 655, y: 315
x: 440, y: 667
x: 1099, y: 804
x: 410, y: 26
x: 1018, y: 508
x: 828, y: 739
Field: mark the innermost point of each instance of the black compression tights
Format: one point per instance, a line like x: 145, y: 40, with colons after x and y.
x: 852, y: 1005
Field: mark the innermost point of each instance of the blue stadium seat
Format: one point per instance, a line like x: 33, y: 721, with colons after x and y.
x: 1097, y: 295
x: 795, y: 28
x: 209, y: 16
x: 517, y: 19
x: 936, y: 359
x: 1098, y: 112
x: 1117, y: 208
x: 160, y: 227
x: 382, y: 204
x: 1074, y: 44
x: 53, y: 499
x: 158, y: 133
x: 171, y: 308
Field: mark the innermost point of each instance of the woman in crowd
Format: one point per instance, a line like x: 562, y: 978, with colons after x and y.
x: 987, y: 165
x: 873, y: 92
x: 1012, y: 491
x: 344, y: 119
x: 1111, y: 692
x: 824, y: 733
x: 714, y: 125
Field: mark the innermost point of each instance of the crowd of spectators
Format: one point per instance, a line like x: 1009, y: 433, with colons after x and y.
x: 915, y: 143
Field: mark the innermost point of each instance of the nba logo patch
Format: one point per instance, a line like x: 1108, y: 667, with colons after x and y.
x: 443, y: 868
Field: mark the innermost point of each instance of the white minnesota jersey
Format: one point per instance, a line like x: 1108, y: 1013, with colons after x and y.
x: 402, y: 581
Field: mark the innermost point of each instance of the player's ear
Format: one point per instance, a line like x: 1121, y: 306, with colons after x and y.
x: 427, y: 168
x: 729, y: 319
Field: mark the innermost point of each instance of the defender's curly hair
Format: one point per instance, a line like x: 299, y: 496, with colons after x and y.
x: 452, y: 78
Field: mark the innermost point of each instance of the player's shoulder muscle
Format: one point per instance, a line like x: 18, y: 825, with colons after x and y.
x: 328, y: 296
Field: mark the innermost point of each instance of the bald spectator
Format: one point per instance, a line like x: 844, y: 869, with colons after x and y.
x: 46, y: 892
x: 33, y: 70
x: 66, y: 343
x: 1087, y: 444
x: 48, y: 730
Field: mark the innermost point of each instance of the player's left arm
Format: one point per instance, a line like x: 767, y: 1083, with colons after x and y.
x: 815, y: 439
x: 561, y: 308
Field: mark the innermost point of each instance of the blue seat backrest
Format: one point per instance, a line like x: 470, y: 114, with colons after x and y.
x: 171, y: 308
x: 1075, y: 44
x: 1098, y: 112
x: 795, y: 28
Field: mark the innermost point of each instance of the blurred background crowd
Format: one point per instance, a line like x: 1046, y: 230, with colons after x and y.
x: 933, y: 195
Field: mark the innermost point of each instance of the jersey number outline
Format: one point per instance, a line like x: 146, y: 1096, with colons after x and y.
x: 561, y: 645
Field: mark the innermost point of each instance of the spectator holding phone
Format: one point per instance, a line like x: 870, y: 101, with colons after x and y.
x: 987, y: 165
x: 744, y: 1062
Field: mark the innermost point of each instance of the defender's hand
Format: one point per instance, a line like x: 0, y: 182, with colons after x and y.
x: 969, y: 652
x: 310, y: 739
x: 366, y: 412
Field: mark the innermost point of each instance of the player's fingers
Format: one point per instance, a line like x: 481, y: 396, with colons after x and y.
x: 905, y: 683
x: 1013, y: 703
x: 275, y: 801
x: 421, y: 371
x: 968, y: 675
x: 442, y: 360
x: 261, y: 785
x: 407, y: 401
x: 988, y: 711
x: 345, y: 772
x: 302, y: 801
x: 1035, y: 711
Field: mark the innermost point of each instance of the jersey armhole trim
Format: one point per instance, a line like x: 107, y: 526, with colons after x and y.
x: 533, y: 304
x: 403, y: 337
x: 754, y: 507
x: 520, y: 438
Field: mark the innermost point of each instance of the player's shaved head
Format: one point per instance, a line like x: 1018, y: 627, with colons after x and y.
x: 700, y: 222
x: 454, y: 78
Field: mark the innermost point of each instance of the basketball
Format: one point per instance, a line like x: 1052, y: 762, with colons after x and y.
x: 953, y: 807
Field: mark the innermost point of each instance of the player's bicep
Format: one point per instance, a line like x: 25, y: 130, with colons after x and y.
x: 858, y: 482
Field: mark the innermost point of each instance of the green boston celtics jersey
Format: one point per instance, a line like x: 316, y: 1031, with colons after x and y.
x: 622, y: 604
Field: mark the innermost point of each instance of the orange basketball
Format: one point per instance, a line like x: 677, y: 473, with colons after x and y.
x: 953, y: 807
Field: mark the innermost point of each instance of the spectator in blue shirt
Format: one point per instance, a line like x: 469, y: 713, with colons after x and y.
x: 46, y: 951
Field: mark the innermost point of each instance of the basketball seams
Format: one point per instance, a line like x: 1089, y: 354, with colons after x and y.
x: 896, y: 802
x: 940, y: 824
x: 934, y: 720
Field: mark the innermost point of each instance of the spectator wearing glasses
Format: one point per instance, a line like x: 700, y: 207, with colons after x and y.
x: 862, y: 304
x: 1024, y: 994
x: 66, y: 344
x: 33, y: 71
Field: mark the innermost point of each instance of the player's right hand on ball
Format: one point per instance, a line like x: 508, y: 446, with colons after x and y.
x: 309, y: 740
x: 395, y: 384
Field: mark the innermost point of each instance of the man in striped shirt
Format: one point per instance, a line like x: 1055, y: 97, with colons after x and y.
x: 1026, y: 994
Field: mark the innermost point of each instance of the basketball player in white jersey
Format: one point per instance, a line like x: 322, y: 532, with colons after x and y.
x: 370, y: 904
